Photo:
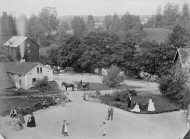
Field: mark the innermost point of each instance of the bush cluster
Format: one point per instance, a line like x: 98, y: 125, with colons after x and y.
x: 173, y: 86
x: 123, y: 95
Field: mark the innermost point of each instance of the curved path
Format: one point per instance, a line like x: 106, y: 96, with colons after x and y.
x: 85, y: 119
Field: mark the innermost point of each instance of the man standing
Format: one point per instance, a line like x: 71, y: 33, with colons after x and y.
x: 110, y: 112
x: 129, y: 101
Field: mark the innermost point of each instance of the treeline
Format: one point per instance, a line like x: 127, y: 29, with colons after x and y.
x: 46, y: 29
x: 170, y: 16
x: 99, y: 50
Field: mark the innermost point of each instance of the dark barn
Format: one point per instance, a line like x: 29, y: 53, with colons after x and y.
x: 29, y: 47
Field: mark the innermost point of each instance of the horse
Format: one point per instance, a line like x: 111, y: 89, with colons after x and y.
x: 68, y: 85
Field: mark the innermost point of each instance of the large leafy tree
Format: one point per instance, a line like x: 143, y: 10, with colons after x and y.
x: 97, y: 50
x: 48, y: 17
x: 178, y: 38
x: 115, y: 24
x: 62, y: 31
x: 90, y: 24
x: 70, y: 53
x: 36, y: 29
x: 8, y: 27
x: 78, y: 26
x: 53, y: 55
x: 43, y: 86
x: 113, y: 79
x: 108, y: 21
x: 154, y: 58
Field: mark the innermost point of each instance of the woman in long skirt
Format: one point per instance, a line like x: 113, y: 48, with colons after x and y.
x: 31, y: 121
x: 65, y: 128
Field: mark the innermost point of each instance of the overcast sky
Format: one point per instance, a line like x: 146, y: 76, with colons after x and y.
x: 85, y: 7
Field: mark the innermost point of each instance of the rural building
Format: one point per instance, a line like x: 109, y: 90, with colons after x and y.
x: 182, y: 62
x: 26, y: 74
x: 29, y: 47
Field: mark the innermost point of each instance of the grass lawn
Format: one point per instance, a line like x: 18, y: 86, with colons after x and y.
x: 157, y: 34
x: 25, y: 102
x: 161, y: 104
x: 100, y: 86
x: 23, y: 92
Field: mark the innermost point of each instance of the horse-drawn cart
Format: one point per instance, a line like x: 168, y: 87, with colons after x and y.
x: 81, y: 87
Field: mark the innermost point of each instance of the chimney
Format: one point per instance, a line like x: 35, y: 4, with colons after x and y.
x: 22, y: 60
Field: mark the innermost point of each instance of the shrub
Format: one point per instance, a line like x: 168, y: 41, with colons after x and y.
x: 69, y: 69
x: 132, y: 92
x: 121, y: 96
x: 113, y: 79
x: 98, y: 93
x: 172, y: 86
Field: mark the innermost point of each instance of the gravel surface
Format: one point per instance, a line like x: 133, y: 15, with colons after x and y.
x: 85, y: 119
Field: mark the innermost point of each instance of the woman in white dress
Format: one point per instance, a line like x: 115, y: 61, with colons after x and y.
x: 151, y: 105
x: 136, y: 108
x: 86, y: 96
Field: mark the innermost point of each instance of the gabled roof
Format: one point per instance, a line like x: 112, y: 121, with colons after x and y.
x: 184, y: 56
x: 21, y: 68
x: 15, y: 41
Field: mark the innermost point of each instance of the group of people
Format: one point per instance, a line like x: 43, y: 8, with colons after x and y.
x: 63, y: 98
x: 151, y: 107
x: 18, y: 116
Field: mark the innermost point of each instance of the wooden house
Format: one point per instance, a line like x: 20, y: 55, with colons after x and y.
x: 182, y: 62
x: 25, y: 44
x: 26, y: 74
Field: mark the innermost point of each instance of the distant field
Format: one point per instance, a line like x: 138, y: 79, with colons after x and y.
x: 157, y: 34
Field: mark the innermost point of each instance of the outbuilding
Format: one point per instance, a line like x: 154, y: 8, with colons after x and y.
x: 26, y: 74
x: 27, y: 47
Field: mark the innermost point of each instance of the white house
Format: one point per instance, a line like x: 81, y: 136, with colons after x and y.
x: 26, y: 74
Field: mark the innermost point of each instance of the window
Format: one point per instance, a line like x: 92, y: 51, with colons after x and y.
x: 28, y: 50
x: 40, y: 69
x: 28, y: 45
x: 20, y: 82
x: 19, y: 75
x: 37, y: 70
x: 33, y: 81
x: 189, y: 70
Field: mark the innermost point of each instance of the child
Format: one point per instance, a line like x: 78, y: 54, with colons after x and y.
x: 103, y: 128
x: 65, y: 129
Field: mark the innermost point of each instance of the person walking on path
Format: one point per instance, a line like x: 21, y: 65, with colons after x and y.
x: 129, y: 101
x: 65, y: 128
x: 53, y: 100
x: 110, y: 112
x: 103, y: 126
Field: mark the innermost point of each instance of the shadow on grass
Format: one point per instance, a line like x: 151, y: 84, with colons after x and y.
x: 100, y: 86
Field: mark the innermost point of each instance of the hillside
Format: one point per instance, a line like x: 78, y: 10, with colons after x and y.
x: 157, y: 34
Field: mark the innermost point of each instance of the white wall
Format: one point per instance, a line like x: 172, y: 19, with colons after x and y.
x: 33, y: 74
x: 15, y: 78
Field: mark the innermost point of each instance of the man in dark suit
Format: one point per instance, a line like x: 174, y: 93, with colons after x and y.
x: 129, y: 101
x: 110, y: 112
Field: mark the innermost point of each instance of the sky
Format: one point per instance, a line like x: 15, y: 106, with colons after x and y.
x: 85, y: 7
